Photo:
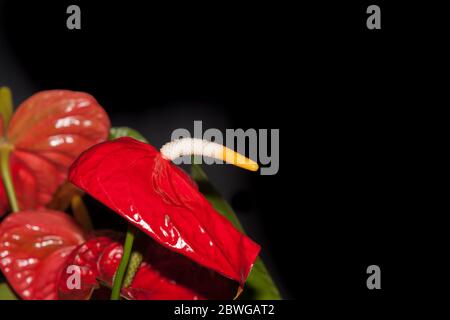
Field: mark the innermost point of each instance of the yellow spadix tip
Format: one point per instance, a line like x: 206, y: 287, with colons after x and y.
x: 237, y: 159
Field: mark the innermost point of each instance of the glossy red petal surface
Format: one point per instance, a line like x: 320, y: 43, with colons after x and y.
x: 133, y: 179
x: 163, y: 274
x: 34, y: 247
x: 86, y: 259
x: 48, y: 132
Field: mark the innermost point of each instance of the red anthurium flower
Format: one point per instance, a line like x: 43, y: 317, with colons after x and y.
x: 143, y: 186
x: 34, y: 246
x: 45, y: 135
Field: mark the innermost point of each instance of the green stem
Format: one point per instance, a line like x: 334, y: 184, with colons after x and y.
x: 6, y: 176
x: 118, y: 279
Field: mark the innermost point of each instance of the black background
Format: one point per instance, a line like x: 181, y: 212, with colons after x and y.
x: 340, y: 94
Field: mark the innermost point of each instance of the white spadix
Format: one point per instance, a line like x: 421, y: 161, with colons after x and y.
x: 199, y: 147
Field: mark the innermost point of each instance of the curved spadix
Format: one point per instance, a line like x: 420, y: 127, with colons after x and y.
x: 198, y: 147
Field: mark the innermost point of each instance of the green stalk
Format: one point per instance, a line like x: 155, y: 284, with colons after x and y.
x: 6, y: 176
x: 6, y: 111
x: 118, y: 279
x: 6, y: 108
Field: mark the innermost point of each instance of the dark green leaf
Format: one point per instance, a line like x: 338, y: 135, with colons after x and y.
x: 118, y: 132
x: 260, y: 285
x: 6, y: 293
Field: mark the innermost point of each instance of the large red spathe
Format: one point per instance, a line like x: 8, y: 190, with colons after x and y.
x: 134, y: 180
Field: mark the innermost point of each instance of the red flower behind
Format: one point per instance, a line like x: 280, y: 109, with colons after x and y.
x: 47, y: 133
x: 34, y: 246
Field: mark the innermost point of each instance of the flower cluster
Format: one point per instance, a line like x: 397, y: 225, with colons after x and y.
x: 177, y: 245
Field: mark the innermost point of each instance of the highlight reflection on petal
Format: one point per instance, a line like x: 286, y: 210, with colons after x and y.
x: 48, y: 131
x: 33, y: 247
